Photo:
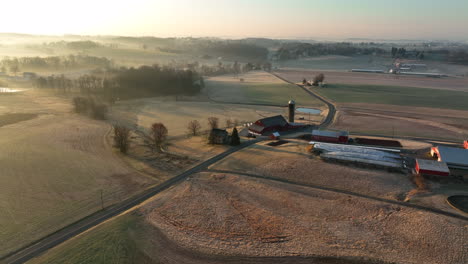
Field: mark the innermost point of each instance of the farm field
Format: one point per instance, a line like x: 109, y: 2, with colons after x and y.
x: 258, y: 87
x: 225, y: 218
x: 53, y: 169
x: 177, y: 114
x: 337, y: 62
x: 354, y: 78
x: 393, y: 95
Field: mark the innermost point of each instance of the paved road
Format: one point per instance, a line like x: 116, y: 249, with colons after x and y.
x: 26, y: 253
x: 331, y: 107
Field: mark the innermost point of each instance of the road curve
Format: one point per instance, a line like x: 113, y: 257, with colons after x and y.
x: 40, y: 246
x: 331, y: 107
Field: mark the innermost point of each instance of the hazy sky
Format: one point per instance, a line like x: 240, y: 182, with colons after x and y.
x: 391, y: 19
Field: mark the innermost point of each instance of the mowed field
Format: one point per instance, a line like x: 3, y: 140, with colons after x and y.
x: 258, y: 87
x: 53, y: 168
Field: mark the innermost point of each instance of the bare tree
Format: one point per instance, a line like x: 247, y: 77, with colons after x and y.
x: 235, y: 122
x: 213, y: 122
x: 14, y: 69
x: 159, y: 134
x: 121, y: 138
x: 229, y: 123
x: 318, y: 79
x: 194, y: 127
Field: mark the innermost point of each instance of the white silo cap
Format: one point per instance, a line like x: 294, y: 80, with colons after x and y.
x: 292, y: 102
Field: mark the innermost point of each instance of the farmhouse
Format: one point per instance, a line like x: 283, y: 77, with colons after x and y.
x: 269, y: 125
x: 432, y: 167
x: 456, y: 158
x: 218, y: 136
x: 330, y: 136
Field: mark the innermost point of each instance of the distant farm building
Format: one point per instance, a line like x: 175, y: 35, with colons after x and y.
x: 465, y: 144
x: 456, y: 158
x: 330, y: 136
x: 269, y: 125
x: 432, y: 167
x: 367, y: 70
x: 218, y: 136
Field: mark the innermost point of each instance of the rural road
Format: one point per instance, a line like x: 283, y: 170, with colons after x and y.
x: 38, y: 247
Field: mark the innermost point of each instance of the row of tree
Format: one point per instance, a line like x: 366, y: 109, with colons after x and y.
x: 125, y: 83
x: 296, y: 50
x: 159, y: 133
x: 55, y: 62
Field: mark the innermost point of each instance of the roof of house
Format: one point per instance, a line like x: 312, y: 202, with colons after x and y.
x: 451, y: 155
x: 328, y: 133
x: 432, y: 165
x: 219, y: 131
x: 273, y: 121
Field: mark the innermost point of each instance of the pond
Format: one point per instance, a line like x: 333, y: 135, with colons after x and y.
x: 308, y: 111
x: 9, y: 90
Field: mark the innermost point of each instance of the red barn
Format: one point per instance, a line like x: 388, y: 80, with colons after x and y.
x: 330, y: 136
x: 432, y: 167
x: 269, y: 125
x: 465, y: 144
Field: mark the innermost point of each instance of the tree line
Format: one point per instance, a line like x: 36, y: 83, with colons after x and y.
x: 126, y: 83
x: 55, y: 62
x: 290, y: 51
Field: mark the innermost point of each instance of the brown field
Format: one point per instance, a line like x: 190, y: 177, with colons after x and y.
x: 228, y: 214
x: 343, y: 77
x: 53, y: 168
x: 403, y: 121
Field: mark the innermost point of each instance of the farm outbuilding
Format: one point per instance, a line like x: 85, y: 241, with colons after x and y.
x: 465, y: 144
x: 432, y: 167
x: 330, y: 136
x: 456, y: 158
x: 269, y: 125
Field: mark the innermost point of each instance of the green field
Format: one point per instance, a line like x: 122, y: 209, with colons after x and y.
x: 392, y: 95
x: 116, y: 242
x: 258, y: 87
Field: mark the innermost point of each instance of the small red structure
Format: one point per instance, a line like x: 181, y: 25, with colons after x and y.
x: 465, y: 144
x: 432, y: 167
x: 330, y: 136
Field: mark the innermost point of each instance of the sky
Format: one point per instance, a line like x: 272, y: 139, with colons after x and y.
x: 315, y: 19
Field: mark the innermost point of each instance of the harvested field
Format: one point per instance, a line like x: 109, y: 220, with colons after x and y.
x: 293, y: 162
x: 356, y: 78
x: 402, y: 121
x: 7, y: 119
x: 227, y: 214
x: 53, y: 169
x: 176, y: 115
x: 258, y: 87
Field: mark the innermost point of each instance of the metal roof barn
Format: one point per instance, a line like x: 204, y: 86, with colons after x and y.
x: 329, y: 147
x: 432, y: 167
x: 269, y: 124
x: 456, y: 158
x: 363, y: 158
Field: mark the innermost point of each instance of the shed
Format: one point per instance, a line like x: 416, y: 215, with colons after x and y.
x: 269, y: 124
x: 275, y: 135
x: 432, y: 167
x: 456, y: 158
x: 330, y: 136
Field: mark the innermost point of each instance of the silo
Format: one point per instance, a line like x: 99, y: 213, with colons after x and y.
x: 292, y: 109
